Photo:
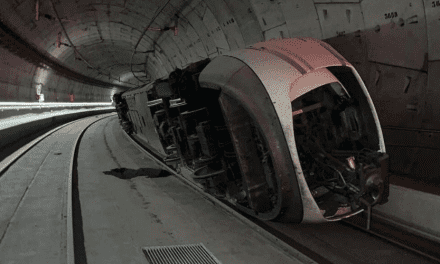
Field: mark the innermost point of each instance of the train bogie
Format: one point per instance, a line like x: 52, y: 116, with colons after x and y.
x: 284, y: 130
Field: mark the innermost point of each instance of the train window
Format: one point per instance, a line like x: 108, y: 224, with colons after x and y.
x: 334, y: 133
x: 349, y: 81
x: 331, y: 116
x: 339, y: 89
x: 344, y: 75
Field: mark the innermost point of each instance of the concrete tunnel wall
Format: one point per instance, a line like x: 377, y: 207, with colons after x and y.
x: 19, y: 78
x: 394, y: 45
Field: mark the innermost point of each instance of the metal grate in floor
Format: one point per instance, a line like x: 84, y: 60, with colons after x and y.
x: 180, y: 254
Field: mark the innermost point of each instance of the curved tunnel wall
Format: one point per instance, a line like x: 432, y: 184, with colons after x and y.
x: 19, y: 80
x: 393, y: 44
x: 374, y: 35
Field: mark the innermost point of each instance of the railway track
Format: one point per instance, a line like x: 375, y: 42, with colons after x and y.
x: 387, y: 230
x: 382, y: 243
x: 56, y: 152
x: 351, y: 243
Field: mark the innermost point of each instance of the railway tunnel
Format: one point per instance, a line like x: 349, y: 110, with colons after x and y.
x: 83, y: 51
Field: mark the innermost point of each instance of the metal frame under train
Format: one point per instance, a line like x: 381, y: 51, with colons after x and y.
x: 284, y: 130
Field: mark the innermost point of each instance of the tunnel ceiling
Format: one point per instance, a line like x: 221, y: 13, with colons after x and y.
x: 105, y: 34
x: 112, y: 39
x: 394, y: 45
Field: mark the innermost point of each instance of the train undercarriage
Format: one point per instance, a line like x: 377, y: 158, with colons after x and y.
x: 212, y: 134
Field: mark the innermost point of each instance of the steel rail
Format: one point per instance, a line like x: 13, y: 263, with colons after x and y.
x: 379, y: 229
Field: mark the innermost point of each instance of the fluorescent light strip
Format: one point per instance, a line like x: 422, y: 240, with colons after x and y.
x: 21, y: 105
x: 50, y: 104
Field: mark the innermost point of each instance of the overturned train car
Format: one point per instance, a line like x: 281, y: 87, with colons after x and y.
x: 284, y: 130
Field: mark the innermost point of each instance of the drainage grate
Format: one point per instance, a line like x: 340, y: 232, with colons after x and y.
x: 180, y: 254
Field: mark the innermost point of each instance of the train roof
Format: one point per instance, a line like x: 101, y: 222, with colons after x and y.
x: 305, y: 54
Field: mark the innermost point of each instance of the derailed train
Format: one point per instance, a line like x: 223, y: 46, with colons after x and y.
x: 284, y: 130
